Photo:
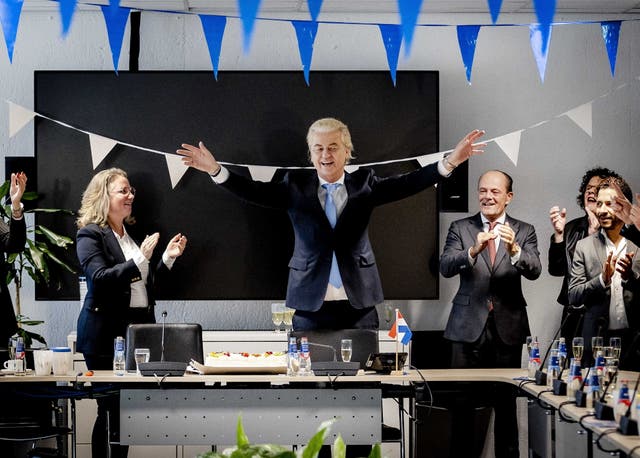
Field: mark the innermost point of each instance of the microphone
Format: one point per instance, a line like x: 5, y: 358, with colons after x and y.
x: 628, y: 426
x: 163, y: 368
x: 334, y: 367
x: 581, y: 396
x: 603, y: 410
x: 541, y: 376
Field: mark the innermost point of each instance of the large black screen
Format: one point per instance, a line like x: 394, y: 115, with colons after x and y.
x: 235, y: 250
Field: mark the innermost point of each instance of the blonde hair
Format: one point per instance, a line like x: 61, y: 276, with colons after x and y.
x: 325, y: 125
x: 94, y: 207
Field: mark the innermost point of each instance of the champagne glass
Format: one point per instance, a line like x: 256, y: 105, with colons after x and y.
x: 287, y: 317
x: 346, y: 350
x: 388, y: 314
x: 577, y: 346
x: 616, y: 345
x: 597, y: 343
x: 528, y: 341
x: 277, y: 315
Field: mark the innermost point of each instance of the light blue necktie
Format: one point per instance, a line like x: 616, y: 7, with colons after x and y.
x: 332, y: 216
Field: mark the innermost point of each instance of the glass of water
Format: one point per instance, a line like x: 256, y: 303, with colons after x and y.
x: 141, y: 355
x: 346, y: 349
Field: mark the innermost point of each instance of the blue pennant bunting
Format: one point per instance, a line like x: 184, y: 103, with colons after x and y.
x: 545, y: 10
x: 248, y: 12
x: 467, y: 39
x: 10, y: 16
x: 610, y: 35
x: 67, y: 8
x: 314, y: 8
x: 306, y: 33
x: 114, y: 3
x: 116, y: 20
x: 540, y: 53
x: 409, y: 10
x: 213, y: 27
x: 494, y: 8
x: 392, y: 39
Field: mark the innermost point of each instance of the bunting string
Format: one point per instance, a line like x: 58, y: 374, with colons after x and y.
x: 509, y: 143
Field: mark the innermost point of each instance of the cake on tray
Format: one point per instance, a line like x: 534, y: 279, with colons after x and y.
x: 228, y: 363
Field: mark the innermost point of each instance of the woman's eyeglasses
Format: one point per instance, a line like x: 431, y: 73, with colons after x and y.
x: 125, y: 191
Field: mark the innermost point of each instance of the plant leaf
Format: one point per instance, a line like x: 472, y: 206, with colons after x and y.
x: 57, y: 239
x: 241, y: 438
x: 312, y: 449
x: 339, y: 448
x: 376, y: 451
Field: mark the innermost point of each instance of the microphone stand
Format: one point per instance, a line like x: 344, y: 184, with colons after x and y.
x: 603, y: 410
x: 581, y: 396
x: 628, y: 426
x: 164, y: 319
x: 541, y: 376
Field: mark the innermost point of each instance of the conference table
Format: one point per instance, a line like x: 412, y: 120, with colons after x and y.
x: 204, y: 409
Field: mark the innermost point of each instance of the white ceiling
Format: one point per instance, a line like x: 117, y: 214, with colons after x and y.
x: 361, y: 6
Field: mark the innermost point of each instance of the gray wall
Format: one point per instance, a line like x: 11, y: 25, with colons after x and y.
x: 506, y: 95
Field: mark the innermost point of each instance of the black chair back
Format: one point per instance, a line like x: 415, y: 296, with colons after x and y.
x: 364, y: 342
x: 182, y: 342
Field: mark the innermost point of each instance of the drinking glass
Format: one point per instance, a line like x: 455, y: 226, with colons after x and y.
x: 346, y: 350
x: 141, y: 355
x: 388, y: 314
x: 616, y: 345
x: 277, y: 315
x: 596, y: 345
x: 287, y: 317
x: 528, y: 341
x: 577, y: 346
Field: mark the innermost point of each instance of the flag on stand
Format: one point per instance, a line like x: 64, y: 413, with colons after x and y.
x: 400, y: 329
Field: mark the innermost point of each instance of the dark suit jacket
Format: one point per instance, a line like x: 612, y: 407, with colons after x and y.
x: 631, y: 233
x: 315, y: 240
x: 13, y: 236
x: 561, y: 254
x: 481, y: 283
x: 585, y: 287
x: 105, y: 313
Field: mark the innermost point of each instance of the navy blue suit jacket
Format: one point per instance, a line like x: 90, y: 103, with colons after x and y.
x: 13, y: 236
x: 315, y: 240
x: 105, y: 312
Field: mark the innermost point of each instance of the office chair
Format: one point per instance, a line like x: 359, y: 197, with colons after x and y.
x: 182, y: 342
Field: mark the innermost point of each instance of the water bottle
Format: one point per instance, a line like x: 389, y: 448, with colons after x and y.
x: 553, y: 368
x: 600, y: 365
x: 534, y: 358
x: 119, y: 356
x: 21, y: 362
x: 562, y: 352
x: 293, y: 358
x: 575, y: 377
x: 593, y: 388
x: 305, y: 357
x: 623, y: 401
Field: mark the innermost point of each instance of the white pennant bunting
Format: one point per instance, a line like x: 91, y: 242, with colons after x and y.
x: 430, y: 158
x: 261, y: 172
x: 351, y: 168
x: 510, y: 144
x: 582, y: 117
x: 176, y: 168
x: 18, y: 118
x: 100, y: 148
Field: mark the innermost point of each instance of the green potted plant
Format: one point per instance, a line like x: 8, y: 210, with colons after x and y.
x: 37, y: 259
x: 244, y: 449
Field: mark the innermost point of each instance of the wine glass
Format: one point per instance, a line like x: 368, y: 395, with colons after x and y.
x: 346, y: 350
x: 277, y: 315
x: 287, y: 317
x: 141, y: 355
x: 388, y: 314
x: 597, y: 343
x: 577, y: 346
x: 616, y: 345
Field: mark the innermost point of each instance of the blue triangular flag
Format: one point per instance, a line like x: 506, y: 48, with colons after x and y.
x: 306, y: 33
x: 409, y: 10
x: 213, y: 27
x: 494, y: 8
x: 314, y: 8
x: 545, y: 10
x: 114, y: 3
x: 467, y: 38
x: 610, y: 35
x: 67, y: 8
x: 392, y: 40
x: 248, y: 12
x: 540, y: 54
x: 116, y: 20
x: 10, y: 16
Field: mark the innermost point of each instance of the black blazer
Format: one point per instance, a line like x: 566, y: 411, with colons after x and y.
x: 561, y: 254
x: 105, y: 313
x: 315, y: 240
x: 481, y: 282
x: 13, y: 236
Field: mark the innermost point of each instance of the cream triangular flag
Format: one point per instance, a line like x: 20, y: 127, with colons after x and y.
x: 18, y: 118
x: 351, y: 168
x: 510, y: 144
x: 261, y: 172
x: 582, y: 117
x: 176, y: 168
x: 100, y: 148
x: 429, y: 158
